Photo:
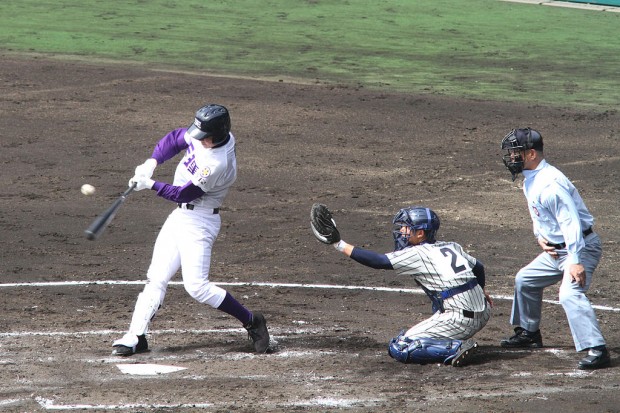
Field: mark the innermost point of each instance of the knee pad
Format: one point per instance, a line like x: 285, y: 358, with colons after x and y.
x: 423, y: 350
x: 207, y: 293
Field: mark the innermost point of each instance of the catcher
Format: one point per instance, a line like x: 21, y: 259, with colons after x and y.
x: 452, y: 279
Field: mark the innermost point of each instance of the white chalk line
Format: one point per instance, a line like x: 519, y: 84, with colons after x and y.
x: 270, y: 285
x: 568, y: 4
x: 48, y: 404
x: 9, y: 401
x: 276, y: 332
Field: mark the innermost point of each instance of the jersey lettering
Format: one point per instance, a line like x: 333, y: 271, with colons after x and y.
x: 448, y: 251
x: 190, y: 164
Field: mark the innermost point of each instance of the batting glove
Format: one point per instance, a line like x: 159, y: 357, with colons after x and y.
x: 147, y: 168
x: 141, y: 182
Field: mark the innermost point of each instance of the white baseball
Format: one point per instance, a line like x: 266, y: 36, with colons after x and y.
x: 87, y: 189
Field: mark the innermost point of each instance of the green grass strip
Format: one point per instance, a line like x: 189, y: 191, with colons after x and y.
x: 484, y: 49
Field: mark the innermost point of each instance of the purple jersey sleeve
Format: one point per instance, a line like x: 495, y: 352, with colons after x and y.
x: 170, y: 145
x: 185, y: 193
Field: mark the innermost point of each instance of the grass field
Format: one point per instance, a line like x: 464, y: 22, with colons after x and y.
x: 487, y: 49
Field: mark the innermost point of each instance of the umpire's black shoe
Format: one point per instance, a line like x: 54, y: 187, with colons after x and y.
x: 596, y: 359
x: 123, y: 348
x: 523, y: 339
x: 257, y: 330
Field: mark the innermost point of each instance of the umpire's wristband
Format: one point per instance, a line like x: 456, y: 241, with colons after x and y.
x: 339, y: 245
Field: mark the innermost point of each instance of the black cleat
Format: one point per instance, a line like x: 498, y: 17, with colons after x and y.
x: 257, y: 331
x: 523, y: 339
x: 463, y: 356
x: 119, y: 349
x: 595, y: 360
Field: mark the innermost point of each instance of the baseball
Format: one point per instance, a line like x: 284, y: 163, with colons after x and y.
x: 88, y: 189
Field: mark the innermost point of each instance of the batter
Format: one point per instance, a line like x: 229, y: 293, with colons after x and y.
x: 452, y: 279
x: 201, y: 181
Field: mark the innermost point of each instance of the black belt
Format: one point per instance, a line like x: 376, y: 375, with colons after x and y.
x: 191, y: 208
x: 563, y: 245
x: 471, y: 314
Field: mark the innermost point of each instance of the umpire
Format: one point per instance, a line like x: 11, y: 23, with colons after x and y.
x: 571, y: 251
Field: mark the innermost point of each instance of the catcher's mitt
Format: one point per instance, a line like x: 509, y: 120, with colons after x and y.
x: 323, y: 225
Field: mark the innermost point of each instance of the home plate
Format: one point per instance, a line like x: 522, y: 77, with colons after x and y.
x: 147, y: 369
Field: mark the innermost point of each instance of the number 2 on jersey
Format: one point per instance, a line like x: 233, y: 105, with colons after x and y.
x: 448, y: 251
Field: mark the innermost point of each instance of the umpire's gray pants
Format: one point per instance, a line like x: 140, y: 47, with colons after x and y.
x: 544, y: 271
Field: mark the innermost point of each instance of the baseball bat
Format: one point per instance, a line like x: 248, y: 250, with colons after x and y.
x: 100, y: 223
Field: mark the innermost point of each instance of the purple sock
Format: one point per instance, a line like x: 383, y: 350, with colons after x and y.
x: 235, y: 309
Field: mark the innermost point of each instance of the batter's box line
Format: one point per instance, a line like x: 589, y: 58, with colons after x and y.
x: 321, y: 402
x: 276, y: 332
x: 268, y: 285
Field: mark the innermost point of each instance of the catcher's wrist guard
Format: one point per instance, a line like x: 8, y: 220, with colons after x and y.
x: 339, y: 245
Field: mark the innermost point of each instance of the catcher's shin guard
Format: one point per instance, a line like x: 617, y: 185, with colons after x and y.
x: 423, y: 350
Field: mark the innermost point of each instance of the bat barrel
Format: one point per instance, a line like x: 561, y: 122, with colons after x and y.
x: 100, y: 223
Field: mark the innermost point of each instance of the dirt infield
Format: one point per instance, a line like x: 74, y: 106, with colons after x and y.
x: 365, y: 154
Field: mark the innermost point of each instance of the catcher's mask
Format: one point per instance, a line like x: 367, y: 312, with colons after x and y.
x: 211, y: 121
x: 416, y: 217
x: 517, y: 141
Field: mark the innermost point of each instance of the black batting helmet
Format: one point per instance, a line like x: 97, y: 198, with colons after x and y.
x: 211, y: 121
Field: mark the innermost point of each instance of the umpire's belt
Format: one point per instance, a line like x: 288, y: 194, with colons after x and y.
x: 563, y: 245
x: 191, y: 207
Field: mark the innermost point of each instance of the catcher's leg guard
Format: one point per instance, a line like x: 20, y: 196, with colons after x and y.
x: 423, y: 350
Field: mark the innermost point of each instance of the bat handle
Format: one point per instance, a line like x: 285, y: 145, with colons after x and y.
x: 130, y: 189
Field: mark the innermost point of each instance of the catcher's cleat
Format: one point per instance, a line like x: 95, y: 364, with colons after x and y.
x: 464, y: 353
x: 129, y: 345
x: 523, y: 339
x: 257, y: 331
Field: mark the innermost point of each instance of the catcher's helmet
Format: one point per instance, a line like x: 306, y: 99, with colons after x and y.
x: 211, y: 121
x: 416, y: 217
x: 517, y: 141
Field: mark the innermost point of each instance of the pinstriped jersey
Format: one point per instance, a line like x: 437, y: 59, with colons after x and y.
x: 440, y: 266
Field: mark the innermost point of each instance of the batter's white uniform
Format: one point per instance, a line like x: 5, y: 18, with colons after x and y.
x: 186, y: 238
x: 438, y: 267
